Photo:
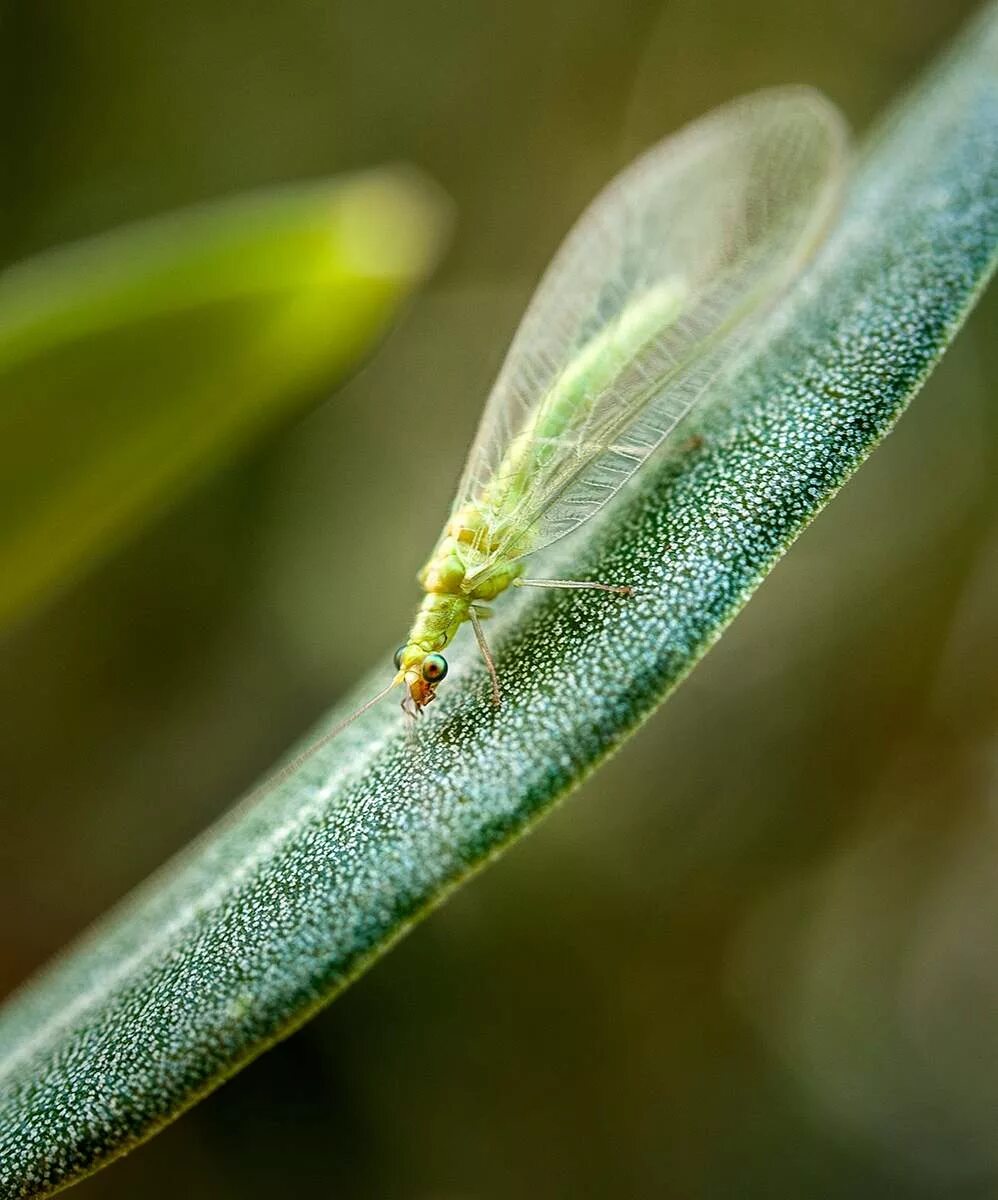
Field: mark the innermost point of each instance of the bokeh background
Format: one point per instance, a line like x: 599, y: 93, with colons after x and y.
x: 755, y: 955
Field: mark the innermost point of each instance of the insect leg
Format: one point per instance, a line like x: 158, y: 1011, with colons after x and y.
x: 476, y: 625
x: 618, y: 589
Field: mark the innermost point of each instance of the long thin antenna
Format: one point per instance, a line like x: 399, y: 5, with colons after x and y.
x: 299, y: 760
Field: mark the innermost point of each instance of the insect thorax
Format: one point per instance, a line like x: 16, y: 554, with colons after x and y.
x: 439, y: 618
x: 463, y: 563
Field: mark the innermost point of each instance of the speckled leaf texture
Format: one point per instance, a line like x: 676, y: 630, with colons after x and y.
x: 268, y: 916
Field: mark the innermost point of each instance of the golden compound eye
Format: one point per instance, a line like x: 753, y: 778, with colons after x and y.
x: 434, y: 668
x: 398, y: 658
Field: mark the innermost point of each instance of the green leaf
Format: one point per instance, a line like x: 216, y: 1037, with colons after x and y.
x: 275, y: 911
x: 133, y: 361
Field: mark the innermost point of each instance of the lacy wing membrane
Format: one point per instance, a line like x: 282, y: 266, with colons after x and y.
x: 640, y: 308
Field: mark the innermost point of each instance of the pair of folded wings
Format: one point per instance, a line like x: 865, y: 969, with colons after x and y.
x: 721, y: 217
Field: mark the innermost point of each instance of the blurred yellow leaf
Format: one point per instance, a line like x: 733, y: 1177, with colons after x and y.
x: 132, y: 362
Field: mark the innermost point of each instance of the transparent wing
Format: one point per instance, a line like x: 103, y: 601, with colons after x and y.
x: 639, y: 308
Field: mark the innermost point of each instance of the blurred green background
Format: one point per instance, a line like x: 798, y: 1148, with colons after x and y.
x: 755, y: 956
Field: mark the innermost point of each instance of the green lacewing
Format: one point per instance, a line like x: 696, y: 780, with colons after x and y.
x: 651, y: 294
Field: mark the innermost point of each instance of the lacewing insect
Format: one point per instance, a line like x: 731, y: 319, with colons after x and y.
x: 651, y: 294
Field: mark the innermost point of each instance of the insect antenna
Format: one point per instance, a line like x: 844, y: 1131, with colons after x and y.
x: 324, y: 739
